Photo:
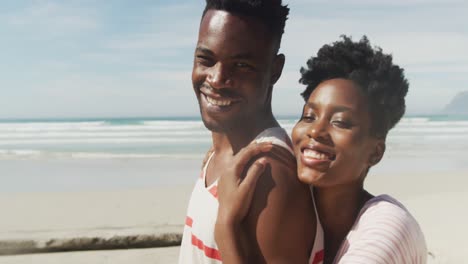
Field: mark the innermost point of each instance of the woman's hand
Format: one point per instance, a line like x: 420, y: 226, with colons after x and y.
x: 235, y: 192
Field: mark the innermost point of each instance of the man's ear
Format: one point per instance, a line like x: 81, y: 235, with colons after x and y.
x: 278, y: 64
x: 377, y: 153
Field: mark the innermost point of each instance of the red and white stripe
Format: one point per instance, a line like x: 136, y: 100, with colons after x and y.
x: 198, y: 244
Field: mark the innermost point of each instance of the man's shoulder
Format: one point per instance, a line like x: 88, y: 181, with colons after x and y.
x: 278, y: 136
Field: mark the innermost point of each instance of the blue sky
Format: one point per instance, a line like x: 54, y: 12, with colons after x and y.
x: 83, y: 58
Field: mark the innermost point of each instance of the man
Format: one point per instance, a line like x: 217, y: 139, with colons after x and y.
x: 235, y: 67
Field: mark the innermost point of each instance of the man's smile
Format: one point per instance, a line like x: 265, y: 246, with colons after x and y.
x: 216, y: 100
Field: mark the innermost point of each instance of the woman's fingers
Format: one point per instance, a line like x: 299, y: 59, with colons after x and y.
x: 283, y: 156
x: 253, y: 173
x: 249, y: 152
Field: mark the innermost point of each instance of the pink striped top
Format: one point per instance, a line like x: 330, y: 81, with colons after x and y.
x: 384, y: 232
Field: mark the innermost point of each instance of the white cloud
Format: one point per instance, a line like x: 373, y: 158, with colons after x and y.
x: 426, y: 47
x: 176, y: 76
x: 143, y: 67
x: 169, y: 40
x: 164, y: 36
x: 448, y: 68
x: 432, y: 94
x: 74, y: 95
x: 53, y: 17
x: 376, y: 3
x: 415, y: 49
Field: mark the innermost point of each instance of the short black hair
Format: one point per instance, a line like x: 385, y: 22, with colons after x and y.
x: 373, y: 71
x: 270, y: 12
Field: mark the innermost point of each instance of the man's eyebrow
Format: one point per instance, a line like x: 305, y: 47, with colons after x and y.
x: 247, y: 55
x: 204, y: 50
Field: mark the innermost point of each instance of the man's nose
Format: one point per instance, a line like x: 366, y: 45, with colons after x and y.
x: 219, y: 76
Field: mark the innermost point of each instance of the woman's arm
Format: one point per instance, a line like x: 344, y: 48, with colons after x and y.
x: 235, y: 194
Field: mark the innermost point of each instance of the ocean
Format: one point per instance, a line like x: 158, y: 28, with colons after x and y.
x: 120, y: 153
x: 187, y: 137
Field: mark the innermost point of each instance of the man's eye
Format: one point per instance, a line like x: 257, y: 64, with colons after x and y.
x: 203, y: 60
x: 244, y: 65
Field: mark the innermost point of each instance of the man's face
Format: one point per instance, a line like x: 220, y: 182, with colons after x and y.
x: 234, y: 68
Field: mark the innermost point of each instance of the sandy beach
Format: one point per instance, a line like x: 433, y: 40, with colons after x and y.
x: 437, y: 200
x: 151, y: 255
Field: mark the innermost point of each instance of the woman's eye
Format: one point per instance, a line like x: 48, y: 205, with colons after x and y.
x: 308, y: 118
x: 342, y: 124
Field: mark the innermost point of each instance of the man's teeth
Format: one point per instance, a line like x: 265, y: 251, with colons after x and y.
x: 309, y: 153
x: 218, y: 102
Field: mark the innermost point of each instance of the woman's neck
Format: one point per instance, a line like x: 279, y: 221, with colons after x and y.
x: 338, y: 208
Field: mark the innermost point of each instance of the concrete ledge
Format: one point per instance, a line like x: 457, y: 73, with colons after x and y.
x: 14, y: 247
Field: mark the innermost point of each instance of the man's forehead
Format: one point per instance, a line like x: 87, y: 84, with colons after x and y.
x: 222, y: 26
x: 216, y: 19
x: 220, y: 20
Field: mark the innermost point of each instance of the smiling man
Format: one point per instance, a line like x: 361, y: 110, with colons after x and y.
x: 235, y: 67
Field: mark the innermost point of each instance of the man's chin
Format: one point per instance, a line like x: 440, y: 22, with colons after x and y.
x: 213, y: 125
x: 221, y: 125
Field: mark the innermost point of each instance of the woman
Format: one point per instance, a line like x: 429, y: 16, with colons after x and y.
x: 354, y: 96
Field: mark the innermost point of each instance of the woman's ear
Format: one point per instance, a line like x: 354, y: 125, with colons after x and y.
x: 377, y: 153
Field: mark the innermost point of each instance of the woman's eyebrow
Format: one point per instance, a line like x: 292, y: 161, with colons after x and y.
x: 335, y: 108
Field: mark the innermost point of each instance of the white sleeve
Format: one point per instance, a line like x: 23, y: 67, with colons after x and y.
x: 385, y: 233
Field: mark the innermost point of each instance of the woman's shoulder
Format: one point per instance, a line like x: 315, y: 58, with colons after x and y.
x: 385, y: 215
x: 384, y: 205
x: 384, y: 209
x: 385, y: 228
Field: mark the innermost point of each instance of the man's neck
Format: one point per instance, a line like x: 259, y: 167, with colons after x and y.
x: 235, y: 139
x: 227, y: 143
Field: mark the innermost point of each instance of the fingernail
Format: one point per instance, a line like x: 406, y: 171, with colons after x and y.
x: 263, y: 141
x: 266, y: 148
x: 262, y: 161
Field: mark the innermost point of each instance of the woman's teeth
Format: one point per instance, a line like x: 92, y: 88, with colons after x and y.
x: 309, y: 153
x: 218, y: 102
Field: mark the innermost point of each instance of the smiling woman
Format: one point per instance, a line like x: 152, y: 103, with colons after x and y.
x: 354, y: 96
x: 332, y: 136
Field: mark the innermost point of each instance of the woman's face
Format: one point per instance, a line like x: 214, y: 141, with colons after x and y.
x: 332, y: 140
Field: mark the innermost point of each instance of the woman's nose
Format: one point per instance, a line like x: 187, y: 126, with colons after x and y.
x: 318, y: 129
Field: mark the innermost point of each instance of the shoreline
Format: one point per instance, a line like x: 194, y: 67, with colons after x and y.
x: 139, y: 202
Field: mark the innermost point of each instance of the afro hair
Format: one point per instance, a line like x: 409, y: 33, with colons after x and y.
x: 373, y: 71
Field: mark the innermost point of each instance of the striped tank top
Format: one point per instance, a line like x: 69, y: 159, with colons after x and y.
x: 198, y: 243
